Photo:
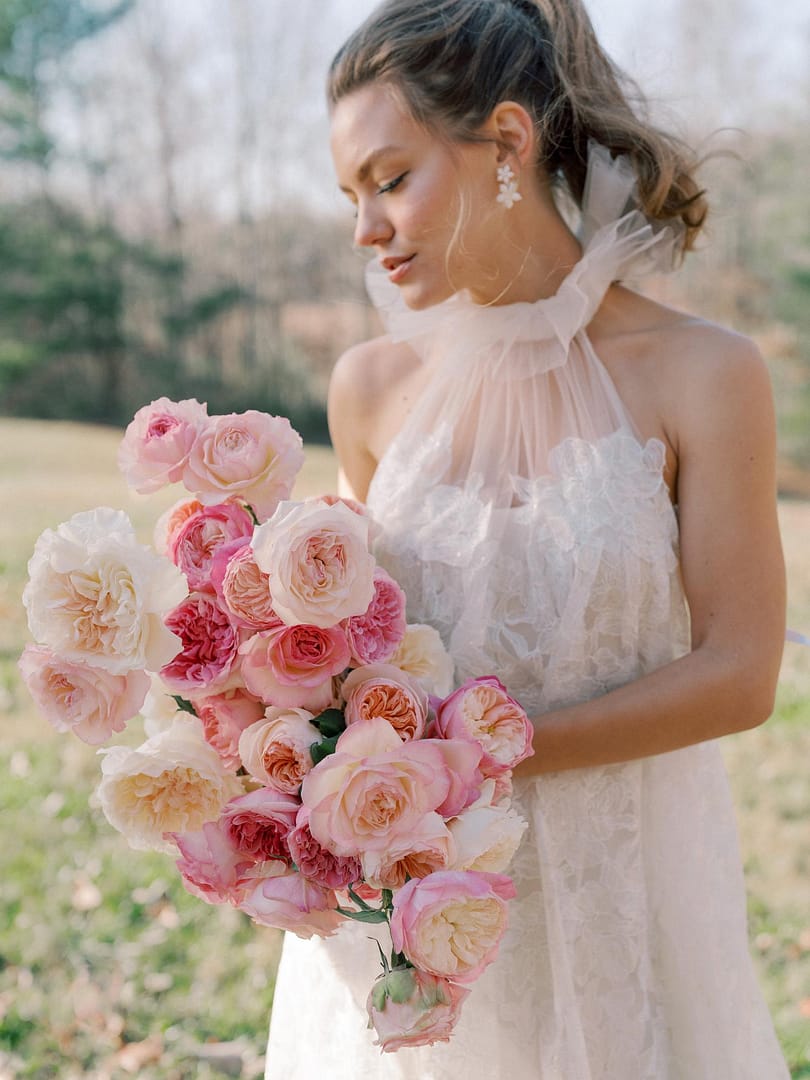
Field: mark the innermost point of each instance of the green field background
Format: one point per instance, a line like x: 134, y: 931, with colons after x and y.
x: 109, y: 969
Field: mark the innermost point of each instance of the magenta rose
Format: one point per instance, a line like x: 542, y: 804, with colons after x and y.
x: 72, y: 696
x: 224, y: 717
x: 213, y: 868
x: 259, y: 823
x: 243, y: 588
x: 408, y: 1007
x: 292, y: 666
x: 481, y: 710
x: 249, y: 455
x: 318, y: 863
x: 194, y: 544
x: 157, y: 443
x: 294, y: 903
x: 374, y: 636
x: 210, y: 646
x: 451, y: 923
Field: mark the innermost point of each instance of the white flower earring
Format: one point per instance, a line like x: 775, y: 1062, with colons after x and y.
x: 507, y: 187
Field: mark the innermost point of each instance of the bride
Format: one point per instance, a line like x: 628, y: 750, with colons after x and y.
x: 575, y: 486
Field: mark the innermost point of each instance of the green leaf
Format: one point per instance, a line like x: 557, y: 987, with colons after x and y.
x: 371, y: 916
x: 320, y: 750
x: 330, y: 723
x: 184, y: 704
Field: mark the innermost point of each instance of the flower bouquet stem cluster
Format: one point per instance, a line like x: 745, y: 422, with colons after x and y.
x: 307, y: 759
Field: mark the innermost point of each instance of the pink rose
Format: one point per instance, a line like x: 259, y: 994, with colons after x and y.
x: 318, y: 560
x: 451, y: 922
x: 157, y: 443
x: 294, y: 903
x: 374, y: 636
x: 243, y: 588
x: 212, y: 868
x: 375, y: 789
x: 194, y: 544
x: 317, y: 863
x: 250, y: 455
x: 169, y: 522
x: 224, y: 717
x: 427, y: 848
x: 408, y: 1007
x: 293, y: 665
x: 482, y: 710
x: 259, y: 823
x: 275, y: 750
x: 210, y: 646
x: 384, y: 690
x: 72, y: 696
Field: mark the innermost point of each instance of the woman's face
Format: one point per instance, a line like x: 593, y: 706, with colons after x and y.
x: 411, y: 190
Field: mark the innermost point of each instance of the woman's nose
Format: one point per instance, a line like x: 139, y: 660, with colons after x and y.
x: 372, y: 227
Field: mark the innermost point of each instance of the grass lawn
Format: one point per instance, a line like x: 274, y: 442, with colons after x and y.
x: 109, y: 969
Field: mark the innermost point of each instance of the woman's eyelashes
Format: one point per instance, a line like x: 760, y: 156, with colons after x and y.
x: 385, y: 188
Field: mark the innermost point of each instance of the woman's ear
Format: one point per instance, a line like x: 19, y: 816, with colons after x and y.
x: 512, y: 128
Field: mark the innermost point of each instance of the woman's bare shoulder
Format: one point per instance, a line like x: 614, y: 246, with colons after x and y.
x: 368, y: 400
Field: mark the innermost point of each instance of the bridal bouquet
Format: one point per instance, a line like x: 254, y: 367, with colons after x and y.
x: 306, y: 757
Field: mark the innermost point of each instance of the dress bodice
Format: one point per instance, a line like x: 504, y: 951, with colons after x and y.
x: 518, y: 508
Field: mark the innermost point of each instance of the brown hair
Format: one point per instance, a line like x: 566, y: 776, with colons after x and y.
x: 453, y: 61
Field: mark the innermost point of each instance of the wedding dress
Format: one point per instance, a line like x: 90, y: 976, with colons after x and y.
x: 529, y: 524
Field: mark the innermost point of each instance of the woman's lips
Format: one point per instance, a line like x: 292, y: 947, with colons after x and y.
x: 398, y: 268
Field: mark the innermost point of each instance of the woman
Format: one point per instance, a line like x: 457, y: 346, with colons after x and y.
x: 575, y: 485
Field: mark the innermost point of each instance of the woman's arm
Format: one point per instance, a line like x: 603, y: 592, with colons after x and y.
x: 733, y: 573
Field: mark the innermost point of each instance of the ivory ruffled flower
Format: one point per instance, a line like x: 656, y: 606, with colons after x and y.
x: 173, y: 783
x: 96, y: 595
x: 422, y: 655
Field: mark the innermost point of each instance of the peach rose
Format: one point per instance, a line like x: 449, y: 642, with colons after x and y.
x: 250, y: 455
x: 375, y: 789
x: 422, y: 655
x: 90, y: 702
x: 427, y: 848
x: 384, y: 690
x: 173, y: 783
x: 408, y: 1007
x: 451, y: 922
x: 275, y: 750
x: 95, y: 595
x: 318, y: 560
x: 157, y: 442
x: 483, y: 711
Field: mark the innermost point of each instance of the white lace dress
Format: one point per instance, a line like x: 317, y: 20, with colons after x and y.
x: 528, y: 523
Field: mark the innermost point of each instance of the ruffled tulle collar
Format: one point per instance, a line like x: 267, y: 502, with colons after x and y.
x: 618, y: 242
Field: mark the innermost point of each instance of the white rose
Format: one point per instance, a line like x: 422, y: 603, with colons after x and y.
x: 421, y: 653
x: 95, y: 594
x: 486, y: 838
x: 174, y: 782
x: 317, y: 556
